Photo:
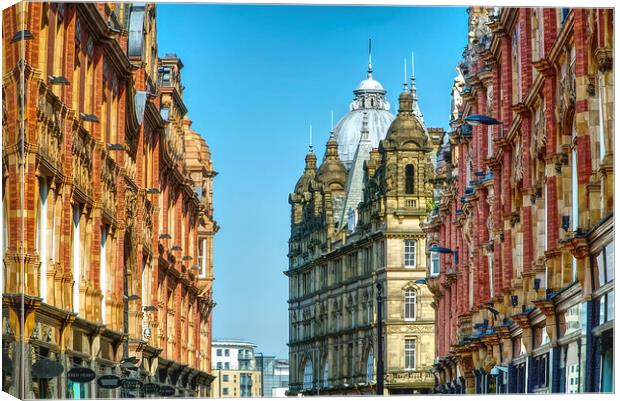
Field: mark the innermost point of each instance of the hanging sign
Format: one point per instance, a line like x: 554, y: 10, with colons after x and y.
x: 150, y: 388
x: 81, y: 374
x: 166, y: 391
x: 109, y: 381
x: 131, y: 384
x: 46, y: 369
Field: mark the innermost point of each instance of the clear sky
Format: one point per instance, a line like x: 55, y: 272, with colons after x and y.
x: 256, y: 77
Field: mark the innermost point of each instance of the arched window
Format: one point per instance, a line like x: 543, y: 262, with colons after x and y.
x: 410, y: 301
x: 409, y: 179
x: 370, y: 367
x: 308, y: 375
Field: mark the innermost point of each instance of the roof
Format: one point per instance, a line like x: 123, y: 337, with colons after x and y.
x: 233, y: 343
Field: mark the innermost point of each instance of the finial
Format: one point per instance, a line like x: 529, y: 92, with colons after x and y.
x: 405, y: 76
x: 369, y: 58
x: 412, y: 78
x: 332, y: 120
x: 310, y: 147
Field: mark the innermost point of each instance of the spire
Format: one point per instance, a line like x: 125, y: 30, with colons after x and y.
x: 405, y: 75
x: 369, y: 58
x: 412, y: 78
x: 416, y: 108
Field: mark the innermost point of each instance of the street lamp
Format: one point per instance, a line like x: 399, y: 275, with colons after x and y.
x: 57, y: 80
x: 91, y: 118
x: 479, y: 119
x: 379, y: 340
x: 440, y: 249
x: 116, y: 146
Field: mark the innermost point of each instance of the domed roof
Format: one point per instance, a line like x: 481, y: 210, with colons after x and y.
x: 369, y: 98
x: 309, y: 172
x: 407, y: 126
x: 332, y: 170
x: 347, y: 131
x: 370, y: 84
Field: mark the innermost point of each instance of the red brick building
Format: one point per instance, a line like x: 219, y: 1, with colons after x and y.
x: 522, y: 263
x: 112, y: 188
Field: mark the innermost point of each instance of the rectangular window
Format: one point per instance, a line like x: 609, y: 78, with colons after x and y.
x: 601, y: 120
x: 42, y: 237
x: 434, y: 263
x: 409, y: 354
x: 76, y: 259
x: 491, y: 276
x: 540, y: 371
x: 226, y: 365
x: 225, y: 378
x: 226, y: 352
x: 410, y: 303
x: 219, y: 365
x: 202, y: 257
x: 218, y: 352
x: 164, y: 76
x: 225, y: 391
x: 410, y: 253
x: 165, y: 113
x: 604, y: 263
x: 103, y: 279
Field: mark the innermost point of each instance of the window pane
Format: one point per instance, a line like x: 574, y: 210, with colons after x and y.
x: 609, y: 261
x: 410, y: 246
x: 600, y: 265
x: 610, y: 306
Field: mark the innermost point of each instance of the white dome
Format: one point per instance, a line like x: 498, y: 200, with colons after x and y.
x: 370, y: 84
x: 347, y: 131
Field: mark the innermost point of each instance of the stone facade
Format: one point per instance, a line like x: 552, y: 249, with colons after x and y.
x: 335, y: 263
x: 114, y: 196
x: 524, y: 223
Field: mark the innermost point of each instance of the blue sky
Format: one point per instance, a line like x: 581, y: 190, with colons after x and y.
x: 256, y: 77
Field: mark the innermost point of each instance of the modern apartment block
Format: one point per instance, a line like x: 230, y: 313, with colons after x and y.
x: 235, y: 369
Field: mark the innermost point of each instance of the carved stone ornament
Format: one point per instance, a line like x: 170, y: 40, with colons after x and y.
x: 82, y: 161
x: 604, y: 58
x: 490, y: 96
x: 567, y: 89
x: 539, y: 142
x: 517, y: 164
x: 490, y: 216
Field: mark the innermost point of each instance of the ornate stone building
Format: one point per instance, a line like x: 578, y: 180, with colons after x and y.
x: 111, y: 273
x: 355, y: 224
x: 523, y: 230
